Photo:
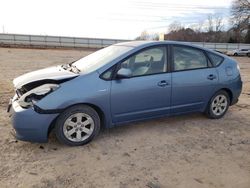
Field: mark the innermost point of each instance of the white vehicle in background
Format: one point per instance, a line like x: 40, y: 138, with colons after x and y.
x: 239, y: 52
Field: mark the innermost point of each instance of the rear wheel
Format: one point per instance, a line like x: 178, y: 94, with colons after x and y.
x: 248, y: 54
x: 218, y: 105
x: 77, y: 125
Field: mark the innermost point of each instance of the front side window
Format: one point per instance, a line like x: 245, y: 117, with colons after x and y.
x: 150, y: 61
x: 107, y: 75
x: 186, y: 58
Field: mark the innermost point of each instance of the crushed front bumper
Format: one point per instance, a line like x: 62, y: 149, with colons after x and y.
x: 28, y: 124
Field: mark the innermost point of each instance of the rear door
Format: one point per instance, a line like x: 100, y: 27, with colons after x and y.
x: 193, y: 79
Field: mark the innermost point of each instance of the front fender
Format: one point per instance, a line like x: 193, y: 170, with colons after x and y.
x: 83, y: 89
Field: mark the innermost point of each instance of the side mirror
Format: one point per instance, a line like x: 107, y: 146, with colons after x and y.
x: 124, y: 73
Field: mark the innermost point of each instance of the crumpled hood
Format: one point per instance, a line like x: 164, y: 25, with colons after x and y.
x: 51, y: 73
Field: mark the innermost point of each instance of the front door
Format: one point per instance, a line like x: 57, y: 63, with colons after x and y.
x: 147, y: 92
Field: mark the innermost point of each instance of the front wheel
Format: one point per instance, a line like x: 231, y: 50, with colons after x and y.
x: 77, y: 125
x: 218, y: 105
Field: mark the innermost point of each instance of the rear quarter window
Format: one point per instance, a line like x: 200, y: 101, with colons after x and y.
x: 216, y: 59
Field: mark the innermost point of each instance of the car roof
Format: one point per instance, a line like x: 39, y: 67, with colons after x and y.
x: 150, y: 43
x: 143, y: 44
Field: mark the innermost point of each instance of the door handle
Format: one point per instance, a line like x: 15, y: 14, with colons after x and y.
x: 211, y: 77
x: 163, y: 83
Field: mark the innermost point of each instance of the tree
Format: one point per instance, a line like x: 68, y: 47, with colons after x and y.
x: 218, y: 23
x: 210, y: 27
x: 147, y: 36
x: 155, y: 36
x: 231, y: 40
x: 144, y: 36
x: 175, y: 26
x: 240, y: 11
x: 247, y: 37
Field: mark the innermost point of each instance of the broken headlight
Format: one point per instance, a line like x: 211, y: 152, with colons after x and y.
x: 30, y: 97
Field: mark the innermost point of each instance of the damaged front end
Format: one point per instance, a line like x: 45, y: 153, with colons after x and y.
x: 28, y: 95
x: 28, y: 120
x: 29, y: 123
x: 34, y: 86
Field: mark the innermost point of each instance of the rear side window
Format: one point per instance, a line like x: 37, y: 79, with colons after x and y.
x: 216, y: 59
x: 186, y: 58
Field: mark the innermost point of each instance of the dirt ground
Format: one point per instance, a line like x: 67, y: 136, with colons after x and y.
x: 185, y: 151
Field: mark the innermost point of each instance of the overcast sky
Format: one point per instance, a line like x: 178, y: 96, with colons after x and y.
x: 104, y: 18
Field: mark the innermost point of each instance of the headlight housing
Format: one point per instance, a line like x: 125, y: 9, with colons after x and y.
x: 32, y: 96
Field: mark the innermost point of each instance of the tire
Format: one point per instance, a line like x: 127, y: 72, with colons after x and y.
x: 218, y: 105
x: 235, y: 54
x: 248, y: 54
x: 77, y: 125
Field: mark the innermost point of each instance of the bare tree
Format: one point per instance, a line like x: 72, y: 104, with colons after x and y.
x: 200, y: 26
x: 240, y: 11
x: 218, y: 23
x: 144, y: 36
x: 210, y: 26
x: 175, y: 26
x: 214, y: 23
x: 147, y: 36
x: 155, y: 36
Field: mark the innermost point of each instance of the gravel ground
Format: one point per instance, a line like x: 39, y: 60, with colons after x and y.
x: 182, y: 151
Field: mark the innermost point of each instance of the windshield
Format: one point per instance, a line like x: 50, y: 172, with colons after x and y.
x: 101, y: 57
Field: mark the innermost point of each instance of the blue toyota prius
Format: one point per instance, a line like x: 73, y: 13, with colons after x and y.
x: 122, y: 83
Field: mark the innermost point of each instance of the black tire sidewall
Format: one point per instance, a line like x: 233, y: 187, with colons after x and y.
x: 210, y: 113
x: 70, y: 111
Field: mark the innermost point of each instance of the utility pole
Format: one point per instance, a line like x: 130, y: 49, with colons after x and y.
x: 3, y: 29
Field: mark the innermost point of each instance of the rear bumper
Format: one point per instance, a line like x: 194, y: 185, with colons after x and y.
x: 30, y: 125
x: 236, y: 88
x: 234, y: 101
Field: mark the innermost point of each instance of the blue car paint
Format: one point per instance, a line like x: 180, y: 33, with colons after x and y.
x: 144, y: 102
x: 194, y: 88
x: 30, y: 125
x: 187, y: 91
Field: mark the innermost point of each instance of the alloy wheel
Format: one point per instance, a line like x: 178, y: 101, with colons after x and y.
x: 78, y: 127
x: 219, y: 105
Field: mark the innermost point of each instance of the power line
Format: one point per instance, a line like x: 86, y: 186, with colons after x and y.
x: 160, y: 8
x: 177, y: 6
x: 148, y: 18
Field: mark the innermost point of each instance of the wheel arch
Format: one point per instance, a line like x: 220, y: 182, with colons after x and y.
x: 95, y: 107
x: 229, y: 92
